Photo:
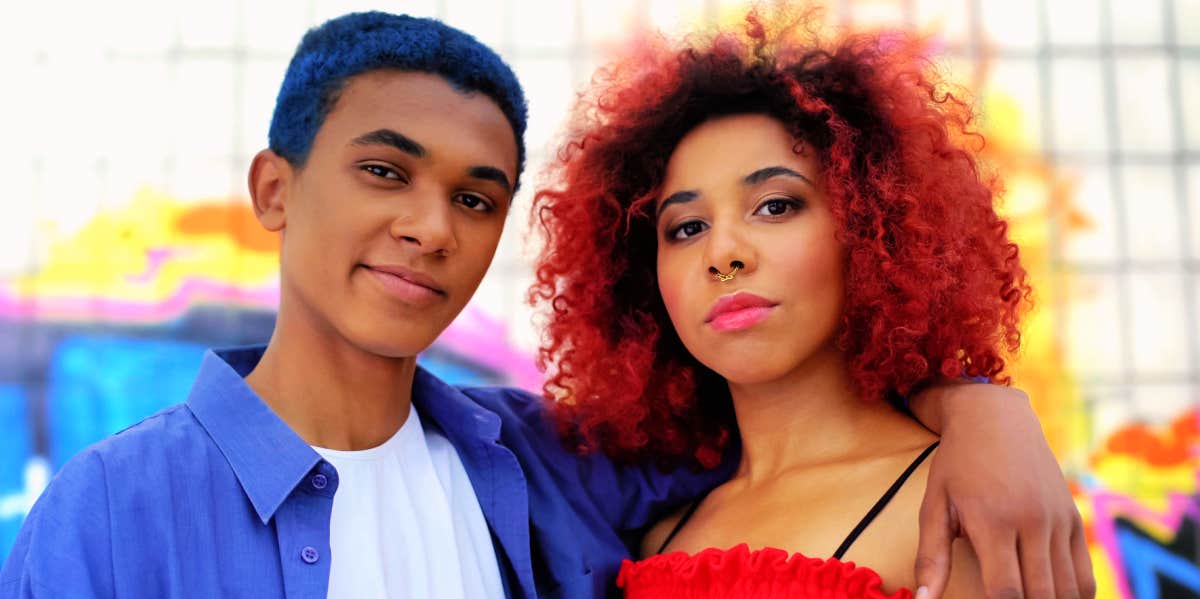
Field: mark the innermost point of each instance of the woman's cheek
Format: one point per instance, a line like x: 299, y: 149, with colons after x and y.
x: 673, y: 291
x: 670, y: 295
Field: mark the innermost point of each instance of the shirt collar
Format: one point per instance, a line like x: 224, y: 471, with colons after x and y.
x: 458, y: 416
x: 267, y: 456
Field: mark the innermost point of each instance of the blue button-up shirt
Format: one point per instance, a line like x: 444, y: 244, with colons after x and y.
x: 218, y: 497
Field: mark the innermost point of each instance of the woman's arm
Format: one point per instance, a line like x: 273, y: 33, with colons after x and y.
x: 995, y: 482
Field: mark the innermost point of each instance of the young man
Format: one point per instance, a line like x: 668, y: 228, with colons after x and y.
x: 328, y: 464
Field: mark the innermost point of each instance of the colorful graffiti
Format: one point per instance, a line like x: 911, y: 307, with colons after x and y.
x: 1139, y: 500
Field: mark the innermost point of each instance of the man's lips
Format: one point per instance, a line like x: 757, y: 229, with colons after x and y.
x: 406, y: 284
x: 738, y: 311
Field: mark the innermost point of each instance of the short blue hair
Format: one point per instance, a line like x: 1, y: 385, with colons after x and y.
x: 356, y: 43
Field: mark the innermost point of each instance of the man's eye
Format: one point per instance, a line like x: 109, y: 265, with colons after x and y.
x: 474, y: 202
x: 688, y: 229
x: 382, y: 172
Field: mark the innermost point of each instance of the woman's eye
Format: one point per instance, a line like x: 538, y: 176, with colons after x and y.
x: 688, y: 229
x: 777, y: 207
x: 382, y: 172
x: 474, y: 202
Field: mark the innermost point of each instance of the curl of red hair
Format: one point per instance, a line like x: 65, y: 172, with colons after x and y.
x: 934, y: 287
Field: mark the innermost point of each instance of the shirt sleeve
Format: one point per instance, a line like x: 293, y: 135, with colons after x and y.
x: 64, y: 548
x: 638, y: 495
x: 630, y: 496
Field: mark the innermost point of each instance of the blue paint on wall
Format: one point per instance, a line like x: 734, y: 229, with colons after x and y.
x: 1146, y: 562
x: 100, y: 385
x: 16, y: 447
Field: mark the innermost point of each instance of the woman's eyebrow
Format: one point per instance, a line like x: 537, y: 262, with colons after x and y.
x: 769, y: 172
x: 679, y: 197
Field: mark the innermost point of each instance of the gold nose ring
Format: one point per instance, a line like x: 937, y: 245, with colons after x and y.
x: 726, y: 277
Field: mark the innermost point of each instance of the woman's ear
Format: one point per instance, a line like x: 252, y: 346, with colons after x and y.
x: 270, y: 181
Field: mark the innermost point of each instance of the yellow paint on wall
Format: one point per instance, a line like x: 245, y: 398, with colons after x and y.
x: 145, y: 250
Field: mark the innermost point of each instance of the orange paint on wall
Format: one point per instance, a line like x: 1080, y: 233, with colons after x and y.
x: 232, y: 220
x: 1159, y: 448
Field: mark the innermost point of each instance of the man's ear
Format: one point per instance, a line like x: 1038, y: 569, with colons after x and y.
x: 270, y: 182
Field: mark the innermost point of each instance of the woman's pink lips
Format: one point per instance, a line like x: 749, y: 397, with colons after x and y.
x: 739, y: 311
x: 737, y: 320
x: 404, y: 289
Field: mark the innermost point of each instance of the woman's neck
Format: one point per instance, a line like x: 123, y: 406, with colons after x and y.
x: 809, y: 417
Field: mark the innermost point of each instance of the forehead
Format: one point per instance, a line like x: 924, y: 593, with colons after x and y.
x: 427, y: 108
x: 733, y: 146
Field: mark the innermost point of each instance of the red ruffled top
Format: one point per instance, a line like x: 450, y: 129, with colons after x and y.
x: 739, y: 572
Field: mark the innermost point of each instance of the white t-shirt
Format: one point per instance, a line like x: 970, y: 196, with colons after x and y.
x: 406, y: 522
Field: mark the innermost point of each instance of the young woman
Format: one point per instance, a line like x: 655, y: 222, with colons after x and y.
x: 762, y: 242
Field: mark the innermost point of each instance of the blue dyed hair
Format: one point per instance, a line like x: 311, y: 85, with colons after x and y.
x: 356, y: 43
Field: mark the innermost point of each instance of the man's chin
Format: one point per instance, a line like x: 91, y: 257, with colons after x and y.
x: 391, y: 341
x: 396, y: 349
x: 390, y: 335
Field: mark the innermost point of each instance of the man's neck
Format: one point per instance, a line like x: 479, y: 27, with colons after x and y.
x: 331, y: 393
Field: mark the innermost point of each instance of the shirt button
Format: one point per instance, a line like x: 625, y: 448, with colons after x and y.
x: 319, y: 481
x: 310, y: 555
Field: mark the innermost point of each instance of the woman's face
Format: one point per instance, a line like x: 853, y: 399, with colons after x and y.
x: 736, y: 194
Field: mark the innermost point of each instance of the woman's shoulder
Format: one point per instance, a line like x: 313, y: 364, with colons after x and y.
x: 653, y: 542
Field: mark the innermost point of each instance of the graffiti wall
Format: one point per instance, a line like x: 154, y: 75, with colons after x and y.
x: 129, y: 246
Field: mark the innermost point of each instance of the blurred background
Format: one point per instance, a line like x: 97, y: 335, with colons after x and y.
x: 127, y: 245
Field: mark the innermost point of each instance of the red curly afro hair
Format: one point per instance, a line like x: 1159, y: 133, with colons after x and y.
x: 934, y: 287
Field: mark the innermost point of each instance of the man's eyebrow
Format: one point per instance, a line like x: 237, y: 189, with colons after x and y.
x: 491, y: 173
x: 679, y: 197
x: 391, y: 138
x: 763, y: 174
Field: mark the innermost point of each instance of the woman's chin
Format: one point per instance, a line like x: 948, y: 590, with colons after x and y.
x: 749, y: 374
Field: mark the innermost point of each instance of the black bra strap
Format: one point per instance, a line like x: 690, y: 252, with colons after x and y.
x: 882, y: 503
x: 854, y: 534
x: 682, y: 520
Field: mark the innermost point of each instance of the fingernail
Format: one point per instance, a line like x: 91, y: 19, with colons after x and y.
x: 922, y: 593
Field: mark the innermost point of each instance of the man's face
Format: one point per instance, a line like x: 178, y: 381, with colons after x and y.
x: 393, y: 221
